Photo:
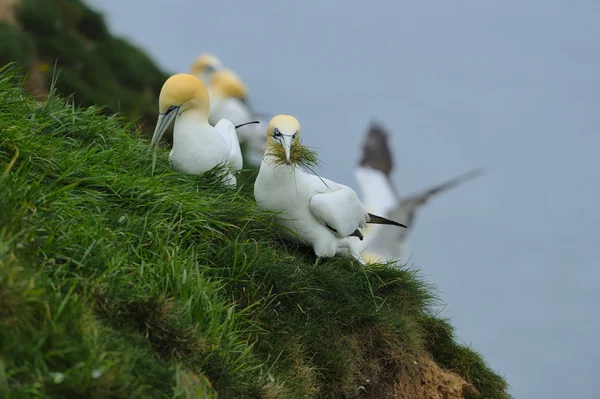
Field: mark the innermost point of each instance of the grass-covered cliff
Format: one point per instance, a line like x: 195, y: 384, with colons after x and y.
x: 121, y: 278
x: 95, y: 67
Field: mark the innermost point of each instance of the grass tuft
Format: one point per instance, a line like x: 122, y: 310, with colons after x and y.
x: 300, y: 155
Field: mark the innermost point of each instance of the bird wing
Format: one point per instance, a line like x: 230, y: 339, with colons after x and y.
x: 339, y: 209
x: 389, y: 241
x: 376, y: 152
x: 380, y: 196
x: 237, y: 112
x: 227, y: 130
x: 373, y: 170
x: 407, y: 206
x: 377, y: 192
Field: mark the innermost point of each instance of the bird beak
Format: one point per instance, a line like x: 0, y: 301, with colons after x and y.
x: 287, y: 146
x: 164, y: 120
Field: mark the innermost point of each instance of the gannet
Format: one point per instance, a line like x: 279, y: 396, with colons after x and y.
x: 314, y: 211
x: 228, y: 96
x: 197, y: 146
x: 379, y: 195
x: 204, y: 66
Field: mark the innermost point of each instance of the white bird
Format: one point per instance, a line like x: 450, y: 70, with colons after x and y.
x: 197, y: 146
x: 229, y: 99
x: 204, y: 66
x: 314, y: 211
x: 379, y: 195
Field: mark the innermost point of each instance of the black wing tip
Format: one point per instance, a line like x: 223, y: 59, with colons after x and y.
x: 376, y: 151
x: 473, y: 173
x: 377, y: 129
x: 357, y: 233
x: 381, y: 220
x: 470, y: 175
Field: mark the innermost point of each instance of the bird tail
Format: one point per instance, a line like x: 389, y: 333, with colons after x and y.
x: 380, y: 220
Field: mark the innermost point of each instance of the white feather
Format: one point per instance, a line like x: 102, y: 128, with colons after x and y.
x: 199, y: 147
x: 307, y: 204
x: 252, y: 135
x: 227, y: 130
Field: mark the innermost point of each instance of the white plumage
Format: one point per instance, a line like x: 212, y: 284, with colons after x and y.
x: 197, y: 146
x: 308, y: 206
x: 317, y: 212
x: 234, y: 159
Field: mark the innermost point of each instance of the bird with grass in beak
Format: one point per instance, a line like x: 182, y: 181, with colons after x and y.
x: 197, y: 146
x: 312, y: 210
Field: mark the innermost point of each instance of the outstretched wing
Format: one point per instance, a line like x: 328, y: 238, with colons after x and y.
x: 407, y: 207
x: 340, y: 210
x: 389, y: 241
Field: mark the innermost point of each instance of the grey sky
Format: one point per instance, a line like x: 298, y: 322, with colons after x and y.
x: 511, y: 85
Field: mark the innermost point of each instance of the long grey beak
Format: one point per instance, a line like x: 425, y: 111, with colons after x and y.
x: 287, y: 146
x: 164, y: 120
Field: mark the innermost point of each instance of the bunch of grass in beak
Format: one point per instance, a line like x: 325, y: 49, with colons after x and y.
x: 300, y: 155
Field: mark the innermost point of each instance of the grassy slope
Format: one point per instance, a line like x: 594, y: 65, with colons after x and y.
x: 98, y: 67
x: 119, y: 276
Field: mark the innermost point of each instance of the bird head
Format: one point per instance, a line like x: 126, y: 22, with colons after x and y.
x: 227, y: 84
x: 180, y: 93
x: 205, y: 65
x: 283, y: 130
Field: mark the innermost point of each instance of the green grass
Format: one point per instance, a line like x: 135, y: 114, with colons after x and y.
x: 300, y: 155
x: 122, y: 278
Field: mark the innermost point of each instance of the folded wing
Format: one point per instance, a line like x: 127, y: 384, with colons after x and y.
x: 340, y: 210
x: 227, y: 130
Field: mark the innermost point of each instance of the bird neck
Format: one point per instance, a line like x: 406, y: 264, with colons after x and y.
x: 204, y: 76
x: 216, y: 94
x: 196, y: 115
x: 215, y: 100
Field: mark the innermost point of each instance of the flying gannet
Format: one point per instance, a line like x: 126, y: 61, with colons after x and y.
x: 379, y: 195
x: 204, y: 66
x: 197, y: 146
x: 314, y: 211
x: 229, y: 99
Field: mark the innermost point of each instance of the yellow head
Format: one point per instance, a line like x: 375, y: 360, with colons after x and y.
x: 180, y: 93
x: 283, y: 130
x: 205, y: 65
x: 227, y: 84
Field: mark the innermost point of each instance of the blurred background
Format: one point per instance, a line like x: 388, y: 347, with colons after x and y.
x: 512, y: 86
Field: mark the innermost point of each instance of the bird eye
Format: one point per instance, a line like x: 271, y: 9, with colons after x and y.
x: 171, y: 108
x: 294, y: 135
x: 276, y: 133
